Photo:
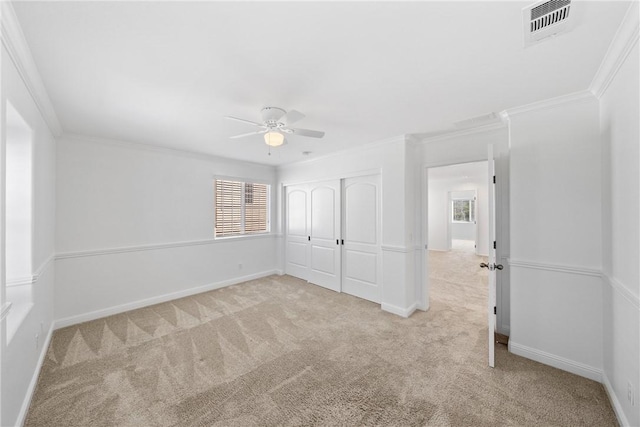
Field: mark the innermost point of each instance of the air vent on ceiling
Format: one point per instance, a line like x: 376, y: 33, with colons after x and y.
x: 545, y: 19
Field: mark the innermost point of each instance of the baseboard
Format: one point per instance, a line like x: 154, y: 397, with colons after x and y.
x: 613, y: 398
x: 422, y: 307
x: 93, y: 315
x: 402, y: 312
x: 34, y: 380
x: 556, y: 361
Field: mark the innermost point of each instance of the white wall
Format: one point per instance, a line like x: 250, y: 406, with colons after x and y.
x: 465, y: 147
x: 135, y: 226
x: 439, y: 213
x: 392, y: 160
x: 20, y: 356
x: 619, y: 114
x: 556, y: 296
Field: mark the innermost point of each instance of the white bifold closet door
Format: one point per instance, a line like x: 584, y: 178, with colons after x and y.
x: 324, y: 242
x: 313, y: 233
x: 333, y: 235
x: 362, y: 263
x: 296, y: 232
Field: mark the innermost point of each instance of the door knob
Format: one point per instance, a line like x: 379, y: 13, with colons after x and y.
x: 491, y: 267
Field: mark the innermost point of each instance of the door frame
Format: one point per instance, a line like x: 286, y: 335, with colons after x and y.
x: 502, y: 231
x: 281, y: 206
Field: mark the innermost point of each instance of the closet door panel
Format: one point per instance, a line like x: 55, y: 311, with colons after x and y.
x: 296, y: 232
x: 362, y: 268
x: 324, y: 221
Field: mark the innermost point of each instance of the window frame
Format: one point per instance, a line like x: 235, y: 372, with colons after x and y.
x: 472, y: 210
x: 244, y: 181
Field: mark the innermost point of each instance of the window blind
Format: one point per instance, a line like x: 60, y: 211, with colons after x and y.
x: 241, y: 208
x: 255, y: 210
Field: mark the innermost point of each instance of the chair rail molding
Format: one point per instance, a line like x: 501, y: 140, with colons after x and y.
x: 4, y: 312
x: 560, y: 268
x: 141, y: 248
x: 617, y: 286
x: 400, y: 249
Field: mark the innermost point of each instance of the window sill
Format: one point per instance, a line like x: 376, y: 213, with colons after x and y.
x: 245, y: 237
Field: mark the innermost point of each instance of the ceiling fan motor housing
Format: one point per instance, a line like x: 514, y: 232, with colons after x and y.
x: 271, y: 115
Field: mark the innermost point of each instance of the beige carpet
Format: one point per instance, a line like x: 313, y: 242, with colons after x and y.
x: 278, y: 351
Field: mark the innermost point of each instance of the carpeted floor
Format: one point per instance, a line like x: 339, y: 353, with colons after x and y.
x: 278, y: 351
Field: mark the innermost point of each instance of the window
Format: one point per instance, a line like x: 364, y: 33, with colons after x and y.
x: 463, y: 210
x: 241, y: 208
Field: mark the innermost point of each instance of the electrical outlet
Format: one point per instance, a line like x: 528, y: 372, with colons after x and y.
x: 37, y: 340
x: 631, y: 394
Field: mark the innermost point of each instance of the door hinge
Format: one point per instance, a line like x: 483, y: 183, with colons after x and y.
x: 494, y: 244
x: 495, y: 310
x: 494, y: 179
x: 342, y: 240
x: 309, y: 238
x: 337, y: 242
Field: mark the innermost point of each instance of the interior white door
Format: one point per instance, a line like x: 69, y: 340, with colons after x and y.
x: 492, y: 265
x: 297, y: 231
x: 324, y: 234
x: 361, y: 252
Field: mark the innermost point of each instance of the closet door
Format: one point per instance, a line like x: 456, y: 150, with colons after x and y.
x: 324, y: 234
x: 362, y: 260
x: 297, y: 231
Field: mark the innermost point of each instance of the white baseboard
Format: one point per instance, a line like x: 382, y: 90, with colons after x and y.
x: 422, y: 307
x: 504, y: 330
x: 402, y: 312
x: 22, y: 415
x: 556, y: 361
x: 617, y: 407
x: 93, y: 315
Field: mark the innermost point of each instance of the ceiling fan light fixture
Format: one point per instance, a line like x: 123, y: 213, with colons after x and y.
x: 274, y: 139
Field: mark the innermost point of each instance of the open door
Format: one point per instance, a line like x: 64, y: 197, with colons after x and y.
x: 491, y: 265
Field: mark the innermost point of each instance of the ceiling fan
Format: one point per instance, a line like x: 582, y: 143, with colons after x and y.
x: 275, y: 123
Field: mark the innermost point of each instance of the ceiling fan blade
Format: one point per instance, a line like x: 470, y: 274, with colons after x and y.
x: 291, y: 117
x: 243, y: 121
x: 307, y: 132
x: 242, y: 135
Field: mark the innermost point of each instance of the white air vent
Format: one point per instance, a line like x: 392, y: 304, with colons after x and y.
x: 545, y: 19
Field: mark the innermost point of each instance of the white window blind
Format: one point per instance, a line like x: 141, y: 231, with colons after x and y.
x: 241, y: 208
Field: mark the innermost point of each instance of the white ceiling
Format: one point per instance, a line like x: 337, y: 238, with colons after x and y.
x: 166, y: 73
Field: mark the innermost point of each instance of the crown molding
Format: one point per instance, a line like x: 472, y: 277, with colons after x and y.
x: 16, y: 44
x: 576, y: 97
x: 456, y: 133
x: 81, y: 139
x: 621, y: 46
